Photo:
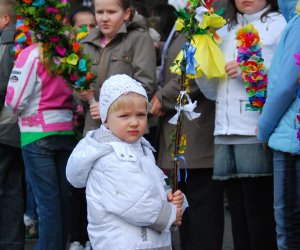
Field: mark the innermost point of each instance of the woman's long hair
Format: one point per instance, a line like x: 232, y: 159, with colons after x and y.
x: 232, y: 11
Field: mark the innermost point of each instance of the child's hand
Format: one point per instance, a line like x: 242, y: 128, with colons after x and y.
x: 231, y: 69
x: 176, y: 198
x: 94, y: 110
x: 179, y: 216
x: 85, y: 95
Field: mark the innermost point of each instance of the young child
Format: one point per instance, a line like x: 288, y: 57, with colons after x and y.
x: 11, y: 162
x: 83, y: 16
x: 279, y: 127
x: 120, y: 45
x: 127, y: 204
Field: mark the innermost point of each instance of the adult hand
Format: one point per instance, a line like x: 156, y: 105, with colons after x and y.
x: 156, y: 107
x: 231, y: 69
x: 94, y: 110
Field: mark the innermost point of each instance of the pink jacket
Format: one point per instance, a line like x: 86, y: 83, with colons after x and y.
x: 43, y: 103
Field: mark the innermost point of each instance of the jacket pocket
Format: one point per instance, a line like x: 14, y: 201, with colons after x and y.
x: 124, y: 58
x: 121, y: 64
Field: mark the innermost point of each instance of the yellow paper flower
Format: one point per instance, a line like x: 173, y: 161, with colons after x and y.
x: 182, y: 144
x: 298, y: 7
x: 209, y: 58
x: 72, y: 59
x: 81, y: 35
x: 179, y: 24
x: 213, y: 21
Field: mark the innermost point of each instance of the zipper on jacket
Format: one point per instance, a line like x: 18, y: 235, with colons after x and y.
x: 101, y: 68
x: 227, y: 117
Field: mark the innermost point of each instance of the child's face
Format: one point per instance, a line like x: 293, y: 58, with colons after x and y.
x: 110, y: 16
x: 84, y: 18
x: 129, y: 122
x: 250, y: 6
x: 4, y: 20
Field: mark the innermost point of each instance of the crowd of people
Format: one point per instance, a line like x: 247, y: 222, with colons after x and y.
x: 104, y: 184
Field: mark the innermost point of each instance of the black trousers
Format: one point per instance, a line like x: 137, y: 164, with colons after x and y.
x: 250, y: 203
x: 203, y: 221
x: 11, y: 198
x: 78, y: 215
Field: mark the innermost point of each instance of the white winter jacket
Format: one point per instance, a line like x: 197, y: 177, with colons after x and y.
x: 231, y: 116
x: 125, y: 191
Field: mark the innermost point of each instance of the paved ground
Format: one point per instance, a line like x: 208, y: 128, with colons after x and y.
x: 227, y: 244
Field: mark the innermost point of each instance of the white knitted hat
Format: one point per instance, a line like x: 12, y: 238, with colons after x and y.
x: 113, y: 88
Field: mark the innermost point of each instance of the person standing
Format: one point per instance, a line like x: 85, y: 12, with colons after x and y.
x: 203, y: 221
x: 240, y: 163
x: 121, y: 45
x: 11, y: 162
x: 130, y: 205
x: 279, y: 127
x: 44, y: 105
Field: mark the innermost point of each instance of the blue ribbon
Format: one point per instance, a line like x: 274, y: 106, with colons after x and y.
x: 177, y: 158
x: 189, y: 51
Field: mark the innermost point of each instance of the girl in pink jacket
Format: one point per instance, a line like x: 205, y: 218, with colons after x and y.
x: 44, y: 105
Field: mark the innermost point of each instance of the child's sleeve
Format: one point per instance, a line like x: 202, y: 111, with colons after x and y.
x: 22, y: 81
x: 82, y: 160
x: 283, y: 91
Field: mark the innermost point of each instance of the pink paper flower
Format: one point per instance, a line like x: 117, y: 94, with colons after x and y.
x: 51, y: 10
x: 54, y: 39
x: 60, y: 50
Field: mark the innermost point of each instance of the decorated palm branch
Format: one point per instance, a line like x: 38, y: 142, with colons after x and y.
x: 200, y: 55
x: 60, y: 49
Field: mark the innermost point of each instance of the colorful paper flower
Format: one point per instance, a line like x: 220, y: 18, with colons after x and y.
x: 254, y: 72
x: 76, y: 46
x: 60, y: 50
x: 38, y: 3
x: 54, y: 39
x: 197, y: 23
x: 82, y: 65
x: 72, y: 59
x: 52, y: 10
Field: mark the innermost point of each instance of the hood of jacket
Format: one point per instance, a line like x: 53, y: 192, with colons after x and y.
x: 94, y: 145
x: 287, y: 8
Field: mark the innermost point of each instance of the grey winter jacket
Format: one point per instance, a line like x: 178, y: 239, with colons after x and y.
x: 9, y: 130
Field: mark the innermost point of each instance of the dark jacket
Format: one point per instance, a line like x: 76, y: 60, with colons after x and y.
x: 9, y: 130
x: 6, y: 59
x: 131, y: 52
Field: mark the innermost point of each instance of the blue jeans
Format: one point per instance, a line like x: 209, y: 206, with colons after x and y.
x: 45, y: 162
x: 30, y: 208
x: 11, y: 198
x: 287, y: 200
